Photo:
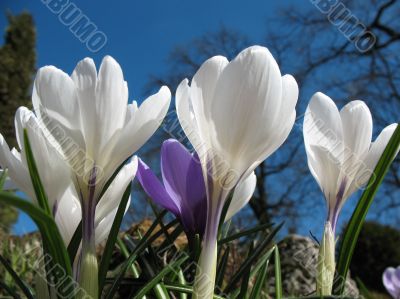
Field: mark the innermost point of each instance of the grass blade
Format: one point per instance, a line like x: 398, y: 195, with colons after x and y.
x: 76, y: 239
x: 9, y: 290
x: 21, y: 284
x: 260, y: 281
x: 245, y: 233
x: 354, y: 226
x: 250, y: 260
x: 147, y: 239
x: 246, y: 276
x: 278, y: 275
x: 153, y: 282
x: 3, y: 177
x: 222, y: 268
x: 185, y: 289
x: 48, y: 228
x: 40, y: 193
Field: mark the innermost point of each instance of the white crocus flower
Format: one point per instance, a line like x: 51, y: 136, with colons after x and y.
x: 340, y: 156
x: 89, y: 116
x: 235, y: 114
x: 54, y: 173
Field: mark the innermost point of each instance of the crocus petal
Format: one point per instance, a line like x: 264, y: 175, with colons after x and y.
x: 68, y: 214
x: 242, y: 194
x: 357, y: 134
x: 183, y: 181
x: 373, y: 156
x: 249, y: 89
x: 175, y: 164
x: 56, y: 104
x: 391, y: 281
x: 323, y: 135
x: 104, y: 226
x: 48, y: 159
x: 322, y: 125
x: 16, y: 170
x: 113, y: 195
x: 111, y: 100
x: 140, y: 128
x: 325, y: 168
x: 85, y: 80
x: 154, y: 189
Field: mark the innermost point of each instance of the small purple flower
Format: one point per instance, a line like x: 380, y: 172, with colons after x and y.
x: 182, y: 191
x: 391, y: 280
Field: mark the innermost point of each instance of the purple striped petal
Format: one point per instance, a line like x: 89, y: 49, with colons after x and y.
x: 391, y: 281
x: 183, y: 180
x: 154, y: 189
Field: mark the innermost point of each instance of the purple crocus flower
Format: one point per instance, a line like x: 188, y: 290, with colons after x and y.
x: 182, y: 190
x: 391, y: 280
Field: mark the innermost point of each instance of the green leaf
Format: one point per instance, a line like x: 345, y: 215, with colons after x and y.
x: 363, y: 289
x: 112, y: 238
x: 9, y: 290
x: 185, y: 289
x: 245, y: 233
x: 251, y: 259
x: 222, y: 268
x: 354, y: 226
x: 143, y: 243
x: 260, y: 281
x: 20, y: 283
x: 3, y: 178
x: 256, y: 269
x: 47, y: 227
x: 246, y: 276
x: 278, y: 275
x: 40, y: 193
x: 75, y: 242
x: 153, y: 282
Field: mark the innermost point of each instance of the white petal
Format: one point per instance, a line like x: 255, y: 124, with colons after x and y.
x: 53, y: 170
x: 113, y: 195
x: 54, y: 95
x: 141, y: 127
x: 202, y: 90
x: 184, y: 111
x: 16, y: 169
x: 68, y: 215
x: 322, y: 125
x: 85, y: 79
x: 373, y: 156
x: 246, y: 102
x: 242, y: 194
x: 325, y: 168
x: 290, y: 94
x: 357, y: 134
x: 103, y: 228
x: 111, y: 101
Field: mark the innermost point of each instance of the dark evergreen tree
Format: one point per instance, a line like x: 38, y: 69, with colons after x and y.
x: 17, y: 67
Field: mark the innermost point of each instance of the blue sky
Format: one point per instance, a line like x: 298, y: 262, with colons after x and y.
x: 141, y: 34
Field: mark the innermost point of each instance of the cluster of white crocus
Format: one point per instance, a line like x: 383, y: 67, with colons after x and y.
x: 235, y: 114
